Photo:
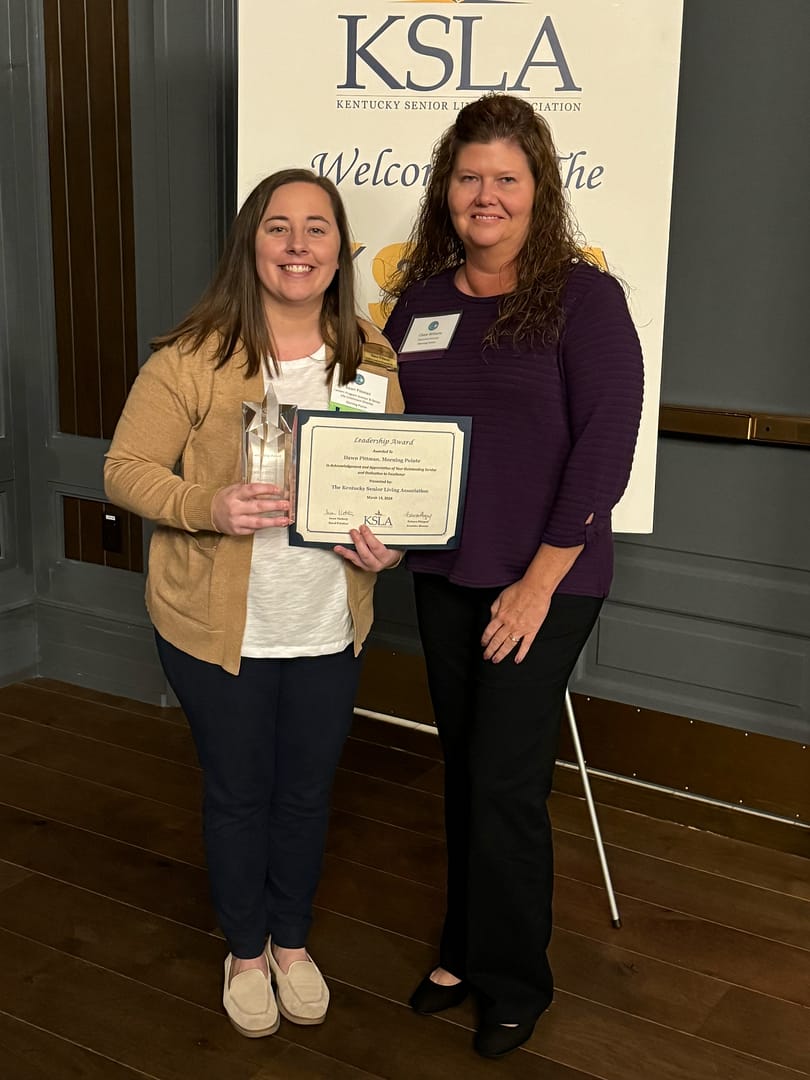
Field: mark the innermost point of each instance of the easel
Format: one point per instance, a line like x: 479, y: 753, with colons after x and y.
x: 615, y: 917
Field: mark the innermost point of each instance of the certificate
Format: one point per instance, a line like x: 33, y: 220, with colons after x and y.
x: 403, y: 476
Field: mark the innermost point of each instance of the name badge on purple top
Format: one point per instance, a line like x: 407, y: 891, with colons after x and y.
x: 429, y: 334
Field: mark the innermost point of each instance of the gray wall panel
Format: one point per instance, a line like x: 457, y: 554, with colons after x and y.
x: 701, y: 669
x: 18, y: 643
x: 736, y: 332
x: 710, y: 615
x: 183, y: 86
x: 117, y: 594
x: 734, y: 501
x: 770, y: 670
x: 87, y: 649
x: 741, y: 593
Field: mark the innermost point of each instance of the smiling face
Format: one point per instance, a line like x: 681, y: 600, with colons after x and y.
x: 490, y: 198
x: 297, y: 246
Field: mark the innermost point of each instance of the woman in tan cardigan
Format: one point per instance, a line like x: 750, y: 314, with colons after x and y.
x: 259, y: 640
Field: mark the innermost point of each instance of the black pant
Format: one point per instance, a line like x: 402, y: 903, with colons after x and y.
x: 499, y: 727
x: 268, y: 741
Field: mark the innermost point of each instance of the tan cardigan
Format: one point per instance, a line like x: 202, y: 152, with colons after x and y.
x: 181, y: 409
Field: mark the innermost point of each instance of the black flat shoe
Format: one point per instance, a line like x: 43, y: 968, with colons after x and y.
x: 495, y: 1040
x: 429, y: 997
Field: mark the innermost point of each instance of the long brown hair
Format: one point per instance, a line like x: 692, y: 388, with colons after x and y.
x: 231, y: 308
x: 533, y: 310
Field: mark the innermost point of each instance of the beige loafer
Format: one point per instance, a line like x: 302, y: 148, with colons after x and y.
x: 303, y: 996
x: 249, y: 1002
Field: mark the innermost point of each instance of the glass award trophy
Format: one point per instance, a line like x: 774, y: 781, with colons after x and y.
x: 268, y: 446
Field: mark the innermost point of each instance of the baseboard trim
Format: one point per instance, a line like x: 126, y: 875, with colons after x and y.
x: 687, y: 796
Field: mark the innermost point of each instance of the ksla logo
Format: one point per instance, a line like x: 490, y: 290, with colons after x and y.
x: 424, y: 37
x: 377, y: 519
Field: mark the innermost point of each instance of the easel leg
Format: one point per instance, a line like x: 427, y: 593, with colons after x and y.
x: 597, y: 832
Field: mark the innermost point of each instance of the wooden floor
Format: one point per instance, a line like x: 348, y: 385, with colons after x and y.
x: 110, y: 961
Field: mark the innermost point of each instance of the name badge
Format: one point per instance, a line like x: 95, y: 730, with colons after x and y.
x: 367, y: 393
x: 430, y: 333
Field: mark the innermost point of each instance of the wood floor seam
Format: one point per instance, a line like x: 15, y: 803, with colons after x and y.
x: 613, y: 845
x: 99, y: 742
x: 364, y: 922
x: 113, y: 900
x: 109, y: 970
x: 196, y: 929
x: 395, y: 749
x: 393, y: 783
x: 104, y: 704
x: 379, y: 870
x: 98, y: 784
x: 104, y: 836
x: 686, y: 914
x: 730, y: 984
x: 683, y: 967
x: 72, y: 1042
x: 351, y: 771
x: 386, y: 824
x: 685, y: 1034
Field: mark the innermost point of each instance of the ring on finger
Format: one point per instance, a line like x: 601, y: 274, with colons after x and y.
x: 514, y: 639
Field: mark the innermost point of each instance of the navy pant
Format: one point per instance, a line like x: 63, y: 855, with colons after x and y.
x: 268, y: 741
x: 499, y: 727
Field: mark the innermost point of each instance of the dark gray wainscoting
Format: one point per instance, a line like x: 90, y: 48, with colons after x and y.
x: 709, y: 616
x: 18, y: 643
x: 105, y: 653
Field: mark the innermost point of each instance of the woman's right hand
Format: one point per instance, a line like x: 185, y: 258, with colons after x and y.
x: 239, y: 509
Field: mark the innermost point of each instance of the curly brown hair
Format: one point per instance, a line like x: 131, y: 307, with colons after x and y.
x: 533, y: 310
x: 231, y: 310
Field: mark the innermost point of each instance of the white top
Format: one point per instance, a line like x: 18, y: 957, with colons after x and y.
x: 297, y: 603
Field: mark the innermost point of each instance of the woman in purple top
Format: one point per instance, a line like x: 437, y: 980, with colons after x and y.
x: 537, y: 345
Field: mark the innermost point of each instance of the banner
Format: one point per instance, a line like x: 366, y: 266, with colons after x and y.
x: 359, y: 91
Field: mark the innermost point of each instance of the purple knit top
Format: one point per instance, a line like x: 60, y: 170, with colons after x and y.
x: 553, y: 434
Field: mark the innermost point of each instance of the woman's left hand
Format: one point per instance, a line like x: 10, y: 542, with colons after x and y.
x: 369, y: 553
x: 517, y: 615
